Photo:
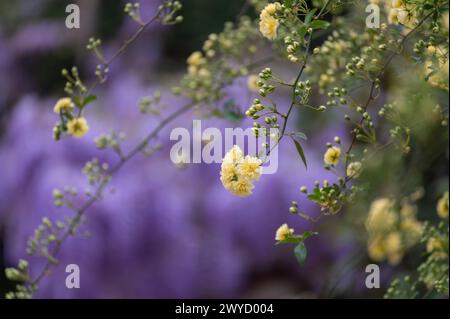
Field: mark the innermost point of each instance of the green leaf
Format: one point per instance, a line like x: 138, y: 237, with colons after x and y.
x: 319, y: 24
x: 302, y: 31
x: 310, y: 15
x: 300, y: 135
x: 300, y: 152
x: 89, y: 99
x: 288, y: 3
x: 300, y: 253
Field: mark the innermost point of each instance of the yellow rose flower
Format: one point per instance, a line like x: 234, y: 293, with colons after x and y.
x: 195, y: 59
x: 268, y: 26
x: 376, y: 250
x: 394, y: 248
x: 443, y: 206
x: 252, y: 83
x: 393, y: 16
x: 233, y: 156
x: 251, y: 168
x: 63, y: 104
x: 354, y: 169
x: 397, y: 3
x: 241, y: 188
x: 332, y: 156
x: 433, y: 245
x: 381, y: 218
x: 77, y: 127
x: 272, y: 8
x: 283, y: 233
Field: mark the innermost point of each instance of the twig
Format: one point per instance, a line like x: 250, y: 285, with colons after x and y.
x: 373, y: 86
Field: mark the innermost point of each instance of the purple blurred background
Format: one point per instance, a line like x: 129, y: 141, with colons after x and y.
x: 165, y: 232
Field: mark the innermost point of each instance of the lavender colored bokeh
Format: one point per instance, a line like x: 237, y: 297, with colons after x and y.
x: 165, y: 232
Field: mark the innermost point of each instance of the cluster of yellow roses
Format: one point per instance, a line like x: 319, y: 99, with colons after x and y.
x: 195, y: 62
x: 77, y: 126
x: 268, y: 24
x: 391, y: 234
x: 398, y: 11
x: 238, y: 172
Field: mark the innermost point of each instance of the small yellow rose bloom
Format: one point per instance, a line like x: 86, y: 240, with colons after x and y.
x: 332, y: 156
x: 354, y: 169
x: 443, y: 206
x: 272, y: 8
x: 397, y: 3
x: 433, y: 245
x: 251, y: 168
x: 252, y: 83
x: 403, y: 17
x: 77, y: 127
x: 376, y: 249
x: 204, y: 73
x: 431, y: 49
x: 283, y: 233
x: 234, y: 155
x: 393, y: 16
x: 195, y: 59
x: 394, y: 248
x: 63, y: 104
x: 381, y: 218
x: 241, y: 188
x: 268, y: 26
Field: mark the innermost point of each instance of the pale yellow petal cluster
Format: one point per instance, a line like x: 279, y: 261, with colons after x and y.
x: 63, y: 104
x: 332, y: 156
x: 354, y: 169
x: 400, y: 13
x: 437, y: 73
x: 77, y: 127
x: 394, y: 248
x: 268, y: 24
x: 390, y: 236
x: 252, y: 83
x: 283, y: 233
x: 443, y: 206
x: 250, y: 168
x: 195, y: 62
x: 238, y: 172
x: 381, y: 218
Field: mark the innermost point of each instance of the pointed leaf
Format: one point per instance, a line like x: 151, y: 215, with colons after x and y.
x: 300, y: 152
x: 310, y: 15
x: 300, y: 253
x: 89, y: 99
x: 319, y: 24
